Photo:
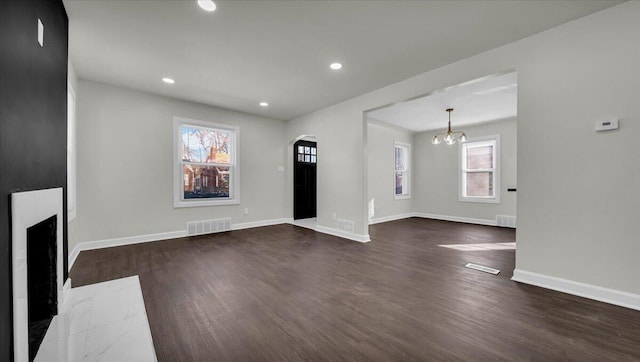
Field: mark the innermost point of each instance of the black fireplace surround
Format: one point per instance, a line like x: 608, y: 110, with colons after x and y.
x: 33, y: 125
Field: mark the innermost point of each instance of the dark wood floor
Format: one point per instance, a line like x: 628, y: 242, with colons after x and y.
x: 288, y: 293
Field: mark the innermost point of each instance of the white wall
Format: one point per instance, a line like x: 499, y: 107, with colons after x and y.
x: 578, y: 196
x: 71, y: 75
x: 341, y: 184
x: 381, y: 158
x: 437, y: 172
x: 125, y: 174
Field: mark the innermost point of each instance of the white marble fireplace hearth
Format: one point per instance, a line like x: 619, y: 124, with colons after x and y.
x: 27, y: 209
x: 104, y: 322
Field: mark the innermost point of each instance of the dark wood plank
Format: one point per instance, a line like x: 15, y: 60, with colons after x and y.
x: 288, y: 293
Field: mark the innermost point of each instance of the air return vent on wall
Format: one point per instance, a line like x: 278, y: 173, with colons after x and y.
x: 208, y: 226
x: 506, y: 221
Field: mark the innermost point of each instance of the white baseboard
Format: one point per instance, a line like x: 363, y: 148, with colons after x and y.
x: 467, y: 220
x: 302, y: 224
x: 108, y: 243
x: 611, y: 296
x: 255, y: 224
x: 331, y: 231
x: 73, y: 256
x: 343, y: 234
x: 377, y: 220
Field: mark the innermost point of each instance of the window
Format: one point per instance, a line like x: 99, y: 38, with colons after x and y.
x: 479, y: 172
x: 402, y: 170
x: 206, y: 164
x: 307, y: 154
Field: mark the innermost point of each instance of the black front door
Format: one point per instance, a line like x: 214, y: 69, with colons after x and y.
x: 305, y: 158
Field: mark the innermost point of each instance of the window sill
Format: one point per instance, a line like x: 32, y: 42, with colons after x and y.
x: 401, y: 197
x: 202, y: 203
x: 493, y: 200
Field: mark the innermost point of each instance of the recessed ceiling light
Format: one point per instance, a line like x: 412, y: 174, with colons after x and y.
x: 335, y: 66
x: 264, y: 104
x: 168, y: 80
x: 207, y: 5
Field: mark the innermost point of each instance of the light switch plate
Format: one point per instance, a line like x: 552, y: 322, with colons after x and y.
x: 606, y: 125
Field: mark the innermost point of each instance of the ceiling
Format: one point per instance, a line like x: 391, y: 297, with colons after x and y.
x: 474, y: 102
x: 279, y: 51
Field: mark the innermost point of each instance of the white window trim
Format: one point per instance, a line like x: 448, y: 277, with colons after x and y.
x: 408, y: 172
x: 178, y: 188
x: 496, y: 174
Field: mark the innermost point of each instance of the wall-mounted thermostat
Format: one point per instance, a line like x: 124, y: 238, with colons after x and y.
x: 607, y: 125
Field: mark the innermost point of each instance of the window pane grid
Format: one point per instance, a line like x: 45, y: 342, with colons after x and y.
x: 401, y: 169
x: 307, y: 154
x: 206, y: 164
x: 479, y: 184
x: 206, y: 182
x: 206, y: 145
x: 479, y: 157
x: 478, y: 168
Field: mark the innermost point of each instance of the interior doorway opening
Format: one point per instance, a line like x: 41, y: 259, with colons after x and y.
x: 471, y: 179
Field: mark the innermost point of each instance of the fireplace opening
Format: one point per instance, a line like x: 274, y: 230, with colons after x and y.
x: 41, y: 280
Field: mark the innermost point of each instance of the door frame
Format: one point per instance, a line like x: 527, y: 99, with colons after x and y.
x: 290, y: 173
x: 296, y: 195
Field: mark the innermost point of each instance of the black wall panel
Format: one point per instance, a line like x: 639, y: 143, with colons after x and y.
x: 33, y: 122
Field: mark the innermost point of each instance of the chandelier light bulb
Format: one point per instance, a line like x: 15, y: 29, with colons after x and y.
x: 436, y: 140
x: 463, y: 137
x: 449, y: 139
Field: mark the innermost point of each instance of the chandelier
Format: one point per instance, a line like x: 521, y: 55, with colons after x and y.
x: 449, y: 137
